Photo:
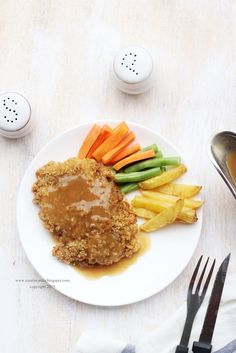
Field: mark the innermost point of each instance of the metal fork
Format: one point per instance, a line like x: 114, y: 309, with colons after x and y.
x: 194, y: 301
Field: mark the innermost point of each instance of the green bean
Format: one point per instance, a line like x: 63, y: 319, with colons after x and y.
x: 126, y: 188
x: 137, y: 176
x: 152, y: 162
x: 159, y: 154
x: 151, y: 147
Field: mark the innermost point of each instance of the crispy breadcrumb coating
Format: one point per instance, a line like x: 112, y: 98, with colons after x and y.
x: 84, y: 209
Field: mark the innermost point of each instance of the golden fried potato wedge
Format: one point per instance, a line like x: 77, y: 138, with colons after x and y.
x: 187, y: 215
x: 147, y: 214
x: 181, y: 190
x: 144, y: 213
x: 191, y: 203
x: 172, y: 199
x: 150, y: 204
x: 164, y: 178
x: 160, y: 196
x: 164, y: 218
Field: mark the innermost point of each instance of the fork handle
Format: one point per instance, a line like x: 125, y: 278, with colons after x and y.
x: 181, y: 349
x: 200, y: 347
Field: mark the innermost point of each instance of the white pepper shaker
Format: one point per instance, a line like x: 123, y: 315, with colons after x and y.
x: 15, y: 115
x: 133, y: 70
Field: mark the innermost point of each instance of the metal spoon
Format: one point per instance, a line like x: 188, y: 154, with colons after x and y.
x: 222, y: 144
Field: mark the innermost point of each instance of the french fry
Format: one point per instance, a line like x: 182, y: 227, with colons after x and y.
x: 187, y: 215
x: 172, y: 199
x: 164, y: 178
x: 147, y: 214
x: 181, y: 190
x: 164, y: 218
x: 159, y: 196
x: 179, y: 221
x: 150, y: 204
x: 143, y: 212
x: 193, y: 203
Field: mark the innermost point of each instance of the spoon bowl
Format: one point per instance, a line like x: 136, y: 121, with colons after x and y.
x: 221, y: 146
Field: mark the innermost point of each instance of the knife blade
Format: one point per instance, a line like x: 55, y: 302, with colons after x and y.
x: 204, y: 343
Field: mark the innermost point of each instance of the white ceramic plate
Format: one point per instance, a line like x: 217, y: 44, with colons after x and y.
x: 170, y: 250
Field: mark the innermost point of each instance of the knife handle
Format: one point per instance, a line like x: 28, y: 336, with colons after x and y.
x: 181, y: 349
x: 200, y: 347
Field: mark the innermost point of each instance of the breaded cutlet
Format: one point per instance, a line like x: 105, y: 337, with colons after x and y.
x: 81, y: 205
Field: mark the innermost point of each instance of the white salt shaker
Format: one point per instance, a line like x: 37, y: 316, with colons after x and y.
x: 133, y: 70
x: 15, y: 115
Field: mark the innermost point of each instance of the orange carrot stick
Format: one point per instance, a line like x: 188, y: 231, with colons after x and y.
x: 89, y: 141
x: 113, y: 140
x: 133, y: 158
x: 107, y: 158
x: 127, y: 151
x: 118, y: 126
x: 104, y: 134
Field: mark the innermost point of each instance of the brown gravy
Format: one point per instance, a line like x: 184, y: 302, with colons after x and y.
x: 119, y: 267
x: 74, y: 204
x: 231, y: 164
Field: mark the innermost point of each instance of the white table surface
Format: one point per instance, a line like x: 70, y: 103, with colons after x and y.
x: 59, y: 54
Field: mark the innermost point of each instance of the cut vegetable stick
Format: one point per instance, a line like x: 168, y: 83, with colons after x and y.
x: 127, y: 151
x: 89, y: 141
x: 104, y: 134
x: 107, y: 158
x: 128, y: 187
x: 112, y: 141
x: 133, y: 158
x: 118, y: 126
x: 151, y: 147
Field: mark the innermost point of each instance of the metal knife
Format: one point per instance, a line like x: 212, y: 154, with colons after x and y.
x: 204, y: 343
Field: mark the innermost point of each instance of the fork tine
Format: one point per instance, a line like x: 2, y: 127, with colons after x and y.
x: 208, y: 280
x: 201, y: 277
x: 191, y: 284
